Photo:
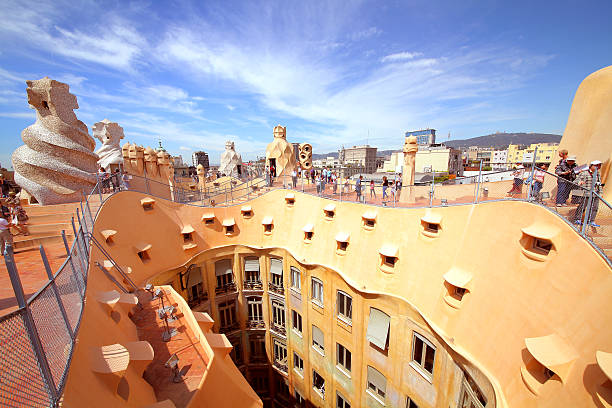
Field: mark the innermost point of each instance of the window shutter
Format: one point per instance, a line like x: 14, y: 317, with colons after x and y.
x: 276, y: 266
x: 317, y: 336
x: 195, y: 277
x: 223, y: 267
x: 378, y: 328
x: 376, y: 378
x: 251, y: 264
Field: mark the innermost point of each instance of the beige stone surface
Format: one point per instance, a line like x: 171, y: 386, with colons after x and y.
x: 57, y: 162
x: 587, y: 133
x: 281, y: 152
x: 109, y: 134
x: 230, y: 160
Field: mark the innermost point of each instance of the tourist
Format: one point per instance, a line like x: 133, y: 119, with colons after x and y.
x: 6, y: 212
x: 399, y: 183
x: 566, y: 173
x: 585, y: 180
x: 346, y: 187
x: 335, y: 182
x: 19, y: 217
x: 393, y: 189
x: 125, y: 181
x: 312, y: 175
x: 385, y: 185
x: 116, y: 180
x: 294, y: 178
x: 517, y: 183
x: 538, y: 182
x: 372, y: 189
x: 318, y: 183
x: 323, y: 180
x: 5, y: 234
x: 4, y: 186
x: 358, y: 188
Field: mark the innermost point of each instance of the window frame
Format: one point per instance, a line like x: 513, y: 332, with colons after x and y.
x: 345, y: 402
x: 344, y: 354
x: 374, y: 391
x: 295, y: 272
x: 318, y: 300
x: 419, y: 366
x: 297, y: 330
x: 299, y: 368
x: 320, y: 348
x: 346, y: 300
x: 255, y: 302
x: 276, y: 306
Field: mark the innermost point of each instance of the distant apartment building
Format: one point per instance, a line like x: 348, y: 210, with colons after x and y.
x: 201, y: 157
x: 424, y: 136
x: 546, y: 153
x: 499, y: 160
x: 438, y: 158
x: 364, y: 156
x: 328, y: 162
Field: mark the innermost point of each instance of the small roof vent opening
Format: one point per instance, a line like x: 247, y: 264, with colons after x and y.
x: 108, y: 236
x: 457, y: 283
x: 229, y: 225
x: 290, y: 199
x: 142, y: 249
x: 247, y: 211
x: 342, y: 241
x: 329, y: 211
x: 308, y: 233
x: 268, y: 224
x: 187, y: 233
x: 369, y: 220
x: 431, y: 224
x: 208, y: 218
x: 539, y: 241
x: 147, y: 203
x: 548, y: 357
x: 388, y: 258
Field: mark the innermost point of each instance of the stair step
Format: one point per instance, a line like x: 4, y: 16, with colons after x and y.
x: 53, y: 228
x: 50, y: 218
x: 36, y: 209
x: 21, y: 242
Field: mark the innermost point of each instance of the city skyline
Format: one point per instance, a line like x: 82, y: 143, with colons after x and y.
x: 332, y: 73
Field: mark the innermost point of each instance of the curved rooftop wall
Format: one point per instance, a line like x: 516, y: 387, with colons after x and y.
x: 527, y: 274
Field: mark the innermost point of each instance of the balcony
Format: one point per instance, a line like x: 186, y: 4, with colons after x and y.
x: 196, y: 301
x: 256, y: 324
x: 281, y: 366
x: 277, y: 328
x: 253, y: 285
x: 278, y: 289
x: 230, y: 287
x: 229, y: 328
x: 258, y: 359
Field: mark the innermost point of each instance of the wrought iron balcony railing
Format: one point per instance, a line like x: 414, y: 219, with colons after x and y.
x: 276, y: 288
x: 230, y: 287
x: 253, y: 285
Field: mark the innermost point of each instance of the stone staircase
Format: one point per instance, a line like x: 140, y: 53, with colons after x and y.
x: 45, y: 226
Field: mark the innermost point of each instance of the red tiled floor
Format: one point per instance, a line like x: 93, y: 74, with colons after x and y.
x: 192, y: 358
x: 31, y: 271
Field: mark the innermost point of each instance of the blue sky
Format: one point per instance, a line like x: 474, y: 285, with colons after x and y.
x: 338, y: 72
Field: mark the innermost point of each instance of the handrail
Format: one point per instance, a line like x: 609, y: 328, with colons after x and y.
x: 110, y: 258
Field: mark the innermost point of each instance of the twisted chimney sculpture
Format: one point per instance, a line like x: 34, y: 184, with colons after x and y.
x: 57, y: 162
x: 109, y: 134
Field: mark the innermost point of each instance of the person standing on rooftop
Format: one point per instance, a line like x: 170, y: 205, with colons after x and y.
x: 385, y: 186
x: 5, y: 233
x: 565, y: 171
x: 372, y: 189
x: 585, y: 180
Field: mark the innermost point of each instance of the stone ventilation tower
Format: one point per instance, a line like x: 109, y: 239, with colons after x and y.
x: 57, y: 162
x: 279, y: 153
x: 109, y: 134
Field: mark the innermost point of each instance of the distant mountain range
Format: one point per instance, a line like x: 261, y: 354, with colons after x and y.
x: 495, y: 140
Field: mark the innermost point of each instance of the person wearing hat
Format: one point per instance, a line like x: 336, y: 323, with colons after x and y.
x: 565, y: 171
x: 589, y: 182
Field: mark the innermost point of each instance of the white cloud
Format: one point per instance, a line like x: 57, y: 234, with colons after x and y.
x: 230, y: 107
x: 367, y: 33
x: 400, y: 56
x: 185, y: 148
x: 18, y: 115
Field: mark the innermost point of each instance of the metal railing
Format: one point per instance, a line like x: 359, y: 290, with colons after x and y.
x: 37, y: 339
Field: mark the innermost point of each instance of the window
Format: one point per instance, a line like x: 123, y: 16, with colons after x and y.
x: 329, y: 214
x: 276, y: 268
x: 195, y: 289
x: 317, y: 340
x: 459, y: 292
x: 378, y: 329
x: 227, y: 313
x: 236, y: 353
x: 471, y: 396
x: 144, y: 256
x: 296, y: 282
x: 345, y: 306
x: 278, y: 313
x: 342, y: 245
x: 389, y: 260
x: 377, y: 384
x: 318, y: 383
x: 308, y: 235
x: 187, y: 237
x: 260, y: 383
x: 298, y: 364
x: 223, y: 271
x: 229, y: 229
x: 317, y: 291
x: 247, y: 213
x: 268, y: 228
x: 423, y: 353
x: 296, y: 319
x: 251, y: 269
x: 411, y: 404
x: 255, y: 308
x: 342, y: 402
x: 343, y: 358
x: 280, y: 354
x: 258, y: 347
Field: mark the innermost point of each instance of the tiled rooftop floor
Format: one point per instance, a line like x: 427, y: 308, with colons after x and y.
x: 192, y: 358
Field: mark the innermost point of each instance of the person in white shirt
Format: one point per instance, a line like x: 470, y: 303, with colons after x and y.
x: 294, y: 178
x: 5, y: 233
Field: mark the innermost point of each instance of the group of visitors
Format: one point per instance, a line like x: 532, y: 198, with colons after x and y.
x: 12, y: 215
x: 112, y: 182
